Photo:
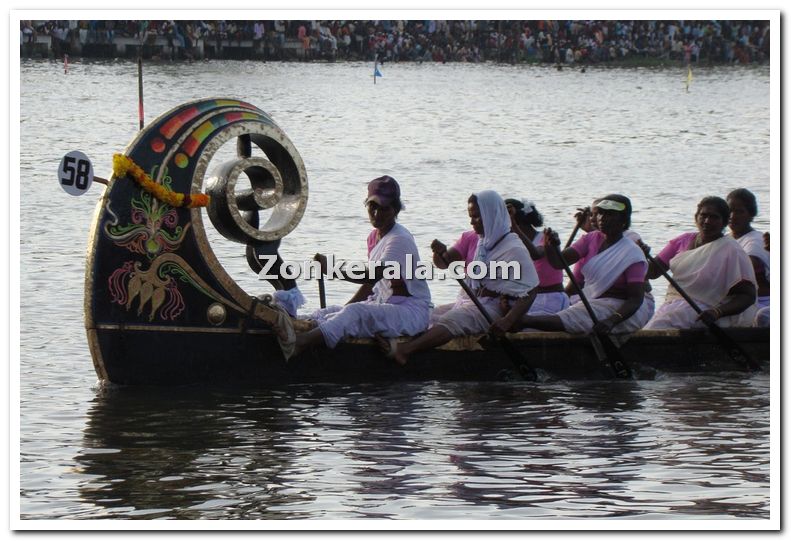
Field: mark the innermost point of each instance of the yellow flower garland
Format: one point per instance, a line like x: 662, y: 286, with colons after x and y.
x: 124, y: 166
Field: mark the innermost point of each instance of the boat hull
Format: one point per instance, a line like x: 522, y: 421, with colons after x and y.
x: 253, y: 358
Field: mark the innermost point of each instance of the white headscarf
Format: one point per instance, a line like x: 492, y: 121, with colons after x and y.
x: 496, y: 222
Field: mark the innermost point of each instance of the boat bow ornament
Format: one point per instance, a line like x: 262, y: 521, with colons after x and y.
x: 150, y: 267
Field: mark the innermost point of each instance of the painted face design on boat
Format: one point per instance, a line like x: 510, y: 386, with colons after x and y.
x: 475, y: 218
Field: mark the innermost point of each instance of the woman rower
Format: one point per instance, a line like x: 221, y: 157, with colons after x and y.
x: 381, y: 306
x: 712, y: 269
x: 497, y: 245
x: 550, y: 296
x: 463, y: 250
x: 613, y: 268
x: 744, y: 208
x: 588, y: 220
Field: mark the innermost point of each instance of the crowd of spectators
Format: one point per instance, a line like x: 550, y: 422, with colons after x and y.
x: 439, y: 41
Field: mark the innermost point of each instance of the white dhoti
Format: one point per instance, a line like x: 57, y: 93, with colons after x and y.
x: 547, y: 304
x: 367, y: 319
x: 577, y: 320
x: 678, y: 314
x: 463, y: 317
x: 383, y: 313
x: 762, y: 314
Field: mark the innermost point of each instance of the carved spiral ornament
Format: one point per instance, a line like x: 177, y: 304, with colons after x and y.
x: 278, y: 184
x: 153, y: 262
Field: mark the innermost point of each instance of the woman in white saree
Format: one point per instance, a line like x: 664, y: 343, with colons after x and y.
x: 744, y: 208
x: 613, y: 271
x: 712, y: 269
x: 383, y: 305
x: 497, y: 245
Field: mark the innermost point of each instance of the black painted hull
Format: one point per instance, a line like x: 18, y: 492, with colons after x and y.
x: 253, y: 359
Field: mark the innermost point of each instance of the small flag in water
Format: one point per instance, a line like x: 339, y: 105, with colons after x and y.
x: 689, y: 76
x: 377, y: 73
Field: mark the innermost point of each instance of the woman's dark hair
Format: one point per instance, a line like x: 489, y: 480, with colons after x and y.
x: 532, y: 218
x: 748, y: 198
x: 472, y: 199
x: 719, y: 204
x: 627, y: 212
x: 398, y: 206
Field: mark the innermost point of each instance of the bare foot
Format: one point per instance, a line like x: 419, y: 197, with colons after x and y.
x: 301, y: 343
x: 399, y: 356
x: 390, y: 347
x: 281, y: 332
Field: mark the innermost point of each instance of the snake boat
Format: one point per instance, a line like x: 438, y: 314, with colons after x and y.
x: 160, y: 309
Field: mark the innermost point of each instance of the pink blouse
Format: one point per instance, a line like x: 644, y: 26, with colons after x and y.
x: 547, y: 274
x: 467, y: 245
x: 679, y: 244
x: 588, y: 246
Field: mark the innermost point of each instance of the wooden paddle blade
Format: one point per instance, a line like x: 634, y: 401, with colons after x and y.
x: 608, y: 351
x: 525, y: 370
x: 735, y: 351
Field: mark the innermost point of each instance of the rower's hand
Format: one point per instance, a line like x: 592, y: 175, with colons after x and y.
x: 604, y: 326
x: 322, y: 259
x: 501, y: 326
x: 708, y: 316
x: 583, y: 217
x: 438, y: 247
x: 551, y: 238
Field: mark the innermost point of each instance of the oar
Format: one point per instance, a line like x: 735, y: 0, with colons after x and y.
x: 606, y: 350
x: 575, y: 230
x: 521, y: 364
x: 735, y: 351
x: 571, y: 237
x: 322, y: 292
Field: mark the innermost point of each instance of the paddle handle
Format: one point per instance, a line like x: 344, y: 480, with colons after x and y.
x: 322, y: 291
x: 322, y: 294
x: 601, y: 342
x: 673, y: 283
x: 471, y: 294
x: 571, y: 237
x: 574, y: 281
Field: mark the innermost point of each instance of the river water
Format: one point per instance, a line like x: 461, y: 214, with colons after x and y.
x: 680, y: 447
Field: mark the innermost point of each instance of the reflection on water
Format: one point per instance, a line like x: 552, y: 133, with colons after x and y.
x: 683, y: 448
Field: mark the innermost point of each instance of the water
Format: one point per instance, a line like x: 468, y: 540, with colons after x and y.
x: 677, y: 447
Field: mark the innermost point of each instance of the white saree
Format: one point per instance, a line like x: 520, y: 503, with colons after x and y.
x: 706, y: 274
x: 498, y: 245
x: 601, y: 272
x: 383, y: 313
